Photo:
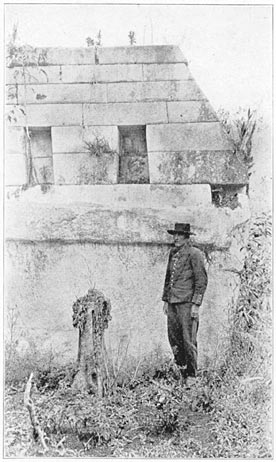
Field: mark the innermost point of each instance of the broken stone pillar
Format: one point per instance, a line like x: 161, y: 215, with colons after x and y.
x: 91, y: 315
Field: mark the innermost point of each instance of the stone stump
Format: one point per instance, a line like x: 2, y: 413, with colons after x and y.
x: 91, y: 315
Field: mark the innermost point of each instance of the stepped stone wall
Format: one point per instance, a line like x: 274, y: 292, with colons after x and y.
x: 83, y: 93
x: 85, y: 229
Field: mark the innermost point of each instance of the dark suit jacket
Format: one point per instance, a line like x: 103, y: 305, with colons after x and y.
x: 186, y: 277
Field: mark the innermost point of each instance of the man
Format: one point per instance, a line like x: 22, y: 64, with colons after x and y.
x: 185, y: 284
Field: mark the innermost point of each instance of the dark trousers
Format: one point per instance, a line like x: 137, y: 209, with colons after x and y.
x: 181, y: 332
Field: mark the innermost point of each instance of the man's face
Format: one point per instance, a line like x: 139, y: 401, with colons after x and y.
x: 179, y: 239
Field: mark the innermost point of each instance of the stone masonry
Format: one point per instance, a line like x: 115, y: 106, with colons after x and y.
x: 87, y: 229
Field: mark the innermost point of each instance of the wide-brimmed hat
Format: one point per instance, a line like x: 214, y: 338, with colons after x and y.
x: 181, y: 228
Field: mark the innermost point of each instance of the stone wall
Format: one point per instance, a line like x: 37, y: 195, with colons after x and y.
x: 61, y: 243
x: 85, y: 229
x: 80, y: 94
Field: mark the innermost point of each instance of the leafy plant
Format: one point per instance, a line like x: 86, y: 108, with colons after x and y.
x: 132, y: 38
x: 98, y: 146
x: 241, y: 128
x: 23, y: 57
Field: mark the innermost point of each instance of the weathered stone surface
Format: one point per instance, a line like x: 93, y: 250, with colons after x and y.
x: 190, y: 111
x: 214, y: 167
x: 56, y: 274
x: 47, y: 277
x: 82, y: 73
x: 125, y: 113
x: 140, y: 54
x: 192, y: 136
x: 44, y: 170
x: 72, y: 139
x: 83, y: 168
x: 43, y: 218
x: 47, y: 115
x: 154, y: 91
x: 62, y: 93
x: 178, y: 71
x: 123, y: 195
x: 34, y: 75
x: 14, y: 140
x: 105, y: 73
x: 82, y: 55
x: 15, y: 170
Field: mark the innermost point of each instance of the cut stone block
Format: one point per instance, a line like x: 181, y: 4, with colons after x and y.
x: 200, y: 136
x: 125, y: 113
x: 15, y: 140
x: 62, y: 93
x: 126, y: 196
x: 44, y: 170
x: 37, y: 216
x: 34, y: 75
x: 105, y: 73
x: 187, y: 167
x: 85, y: 169
x: 190, y: 111
x: 47, y: 115
x: 140, y: 54
x: 72, y: 139
x: 178, y: 71
x: 154, y: 91
x: 15, y: 170
x: 67, y: 55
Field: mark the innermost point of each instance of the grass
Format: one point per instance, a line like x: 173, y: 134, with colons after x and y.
x: 147, y: 413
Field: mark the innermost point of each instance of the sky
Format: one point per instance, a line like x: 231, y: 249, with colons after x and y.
x: 228, y: 47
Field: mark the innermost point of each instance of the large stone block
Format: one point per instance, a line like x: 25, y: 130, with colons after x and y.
x: 125, y: 113
x: 83, y: 168
x: 105, y: 73
x: 200, y: 136
x: 124, y: 196
x: 58, y: 56
x: 47, y: 115
x: 15, y: 142
x: 190, y: 111
x: 72, y: 139
x: 62, y: 93
x: 168, y: 71
x: 187, y: 167
x: 15, y: 170
x: 34, y: 75
x: 154, y: 91
x: 140, y: 54
x: 34, y: 216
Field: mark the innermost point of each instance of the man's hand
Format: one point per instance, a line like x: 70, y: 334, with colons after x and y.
x: 195, y: 311
x: 165, y: 308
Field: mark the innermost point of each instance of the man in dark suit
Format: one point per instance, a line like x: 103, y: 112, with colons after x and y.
x: 185, y: 285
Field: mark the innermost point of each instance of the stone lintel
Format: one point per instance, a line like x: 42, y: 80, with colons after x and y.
x: 188, y: 167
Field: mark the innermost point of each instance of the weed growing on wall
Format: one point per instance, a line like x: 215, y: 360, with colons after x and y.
x: 22, y: 58
x: 240, y: 128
